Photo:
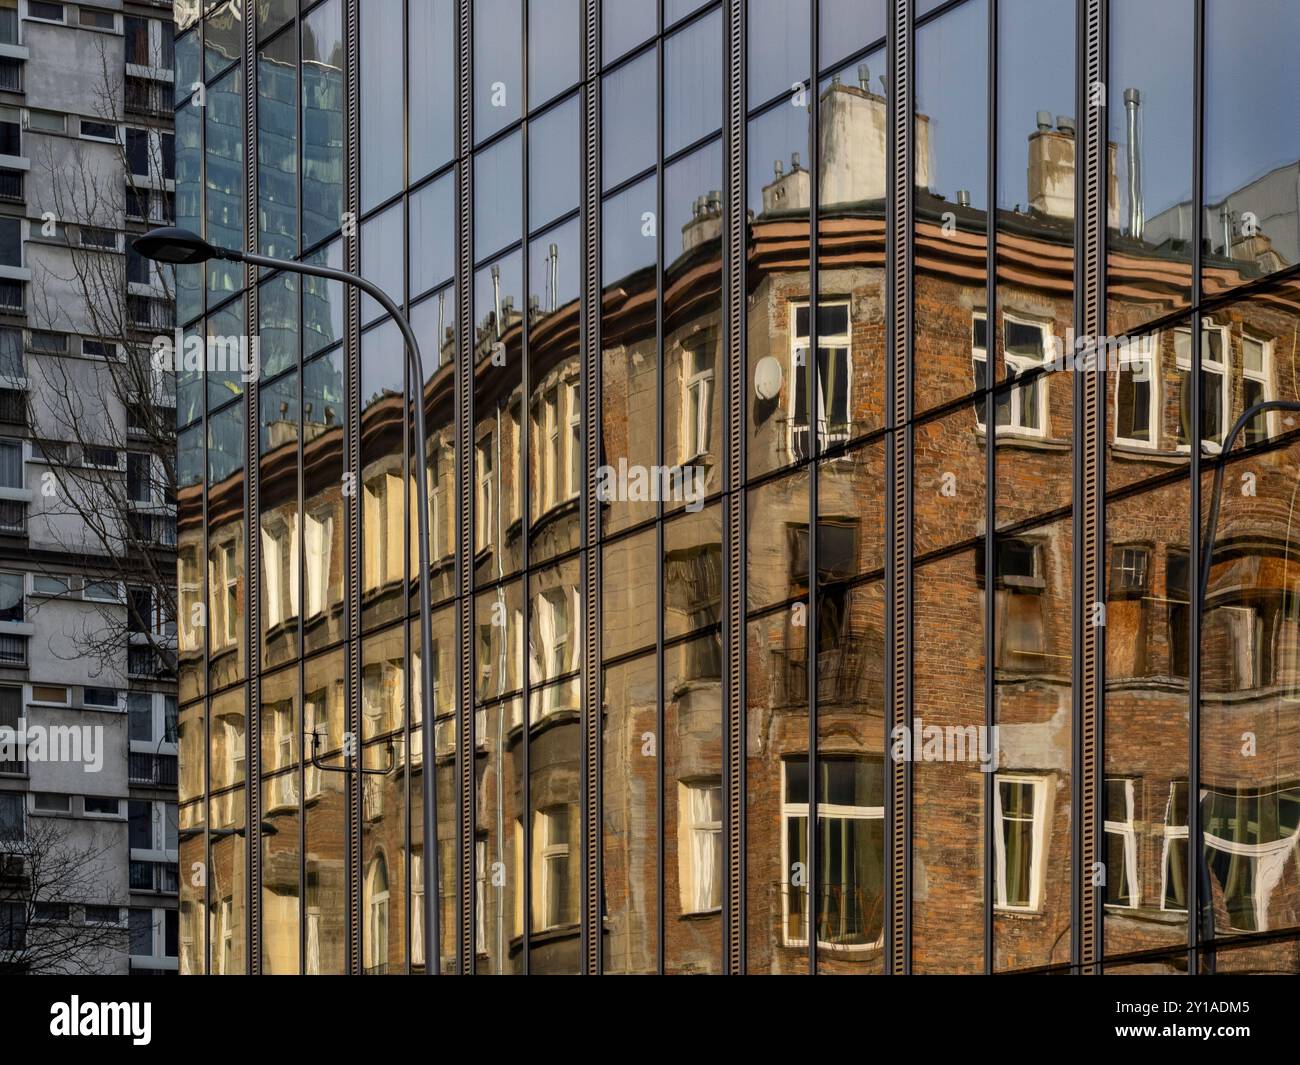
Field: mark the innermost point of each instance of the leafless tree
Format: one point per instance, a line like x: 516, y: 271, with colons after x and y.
x: 47, y: 881
x: 106, y: 425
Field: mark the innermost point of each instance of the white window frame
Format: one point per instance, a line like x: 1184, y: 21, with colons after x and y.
x: 551, y: 464
x: 695, y: 840
x: 319, y: 548
x: 1127, y: 829
x: 27, y: 14
x: 816, y: 420
x: 1020, y: 364
x: 81, y: 130
x: 484, y: 470
x: 230, y: 591
x: 573, y: 471
x: 1038, y: 856
x: 550, y: 853
x: 1183, y: 361
x: 60, y: 128
x: 791, y: 811
x: 1148, y: 352
x: 697, y: 395
x: 63, y: 581
x: 116, y: 597
x: 1263, y: 377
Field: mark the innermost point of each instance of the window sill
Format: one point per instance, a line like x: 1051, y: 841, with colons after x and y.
x: 1024, y: 441
x: 1136, y: 452
x: 1018, y: 915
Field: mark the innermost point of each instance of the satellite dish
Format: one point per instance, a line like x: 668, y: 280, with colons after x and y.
x: 767, y: 377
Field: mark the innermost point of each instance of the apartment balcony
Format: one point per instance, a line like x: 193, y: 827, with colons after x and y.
x: 13, y: 870
x: 158, y: 877
x: 839, y: 674
x: 12, y: 184
x: 13, y: 517
x: 13, y: 650
x: 152, y: 770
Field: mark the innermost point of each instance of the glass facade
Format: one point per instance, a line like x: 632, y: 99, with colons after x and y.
x: 752, y: 334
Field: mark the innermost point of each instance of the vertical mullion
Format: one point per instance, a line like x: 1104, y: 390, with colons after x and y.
x: 204, y: 577
x: 252, y: 597
x: 991, y: 377
x: 734, y: 379
x: 413, y: 394
x: 1195, y: 844
x: 814, y: 447
x: 660, y: 716
x: 589, y: 394
x: 352, y: 262
x: 1088, y: 389
x: 898, y: 564
x: 526, y: 525
x: 465, y: 552
x: 301, y: 701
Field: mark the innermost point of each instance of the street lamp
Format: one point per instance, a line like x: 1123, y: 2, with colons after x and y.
x: 184, y: 248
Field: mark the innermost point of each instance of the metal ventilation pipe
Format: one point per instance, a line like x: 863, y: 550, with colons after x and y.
x: 1136, y: 212
x: 555, y: 275
x: 496, y: 298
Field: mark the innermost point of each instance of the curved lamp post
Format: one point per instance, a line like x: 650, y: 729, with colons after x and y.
x: 1202, y: 592
x: 182, y: 247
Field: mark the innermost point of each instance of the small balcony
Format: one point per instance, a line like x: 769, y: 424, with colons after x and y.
x: 839, y: 674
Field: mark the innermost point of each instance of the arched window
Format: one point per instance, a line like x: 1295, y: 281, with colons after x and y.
x: 376, y: 937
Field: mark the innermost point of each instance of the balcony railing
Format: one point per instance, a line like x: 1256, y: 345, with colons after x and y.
x: 794, y: 438
x: 154, y: 876
x: 11, y: 185
x: 152, y: 769
x: 13, y: 650
x: 839, y: 674
x: 13, y: 517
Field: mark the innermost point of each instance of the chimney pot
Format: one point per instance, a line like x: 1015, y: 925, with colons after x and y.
x: 864, y: 77
x: 794, y: 160
x: 1044, y: 121
x: 1065, y: 124
x: 780, y: 169
x: 963, y: 197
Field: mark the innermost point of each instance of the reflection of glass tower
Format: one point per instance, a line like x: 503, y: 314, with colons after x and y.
x: 811, y: 356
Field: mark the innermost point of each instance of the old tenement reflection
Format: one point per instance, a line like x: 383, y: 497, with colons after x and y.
x: 328, y: 660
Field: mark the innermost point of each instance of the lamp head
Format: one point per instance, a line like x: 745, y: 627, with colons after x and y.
x: 171, y: 244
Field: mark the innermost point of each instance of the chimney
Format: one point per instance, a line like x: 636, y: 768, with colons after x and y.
x: 1136, y: 217
x: 1051, y: 171
x: 864, y: 77
x: 963, y: 197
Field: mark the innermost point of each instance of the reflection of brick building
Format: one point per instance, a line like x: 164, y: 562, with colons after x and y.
x: 605, y: 659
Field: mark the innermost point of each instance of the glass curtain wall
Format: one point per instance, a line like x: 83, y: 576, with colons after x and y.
x: 580, y: 206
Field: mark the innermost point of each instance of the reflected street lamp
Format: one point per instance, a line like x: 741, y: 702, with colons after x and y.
x: 182, y: 247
